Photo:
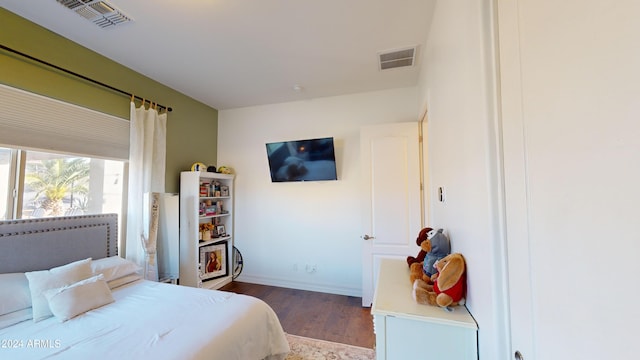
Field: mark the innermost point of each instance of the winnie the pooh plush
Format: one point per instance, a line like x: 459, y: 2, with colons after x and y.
x: 449, y: 285
x: 435, y: 247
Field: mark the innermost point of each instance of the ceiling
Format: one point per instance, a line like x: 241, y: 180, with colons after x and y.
x: 237, y: 53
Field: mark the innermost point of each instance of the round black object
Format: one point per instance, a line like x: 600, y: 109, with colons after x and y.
x: 237, y: 262
x: 211, y: 168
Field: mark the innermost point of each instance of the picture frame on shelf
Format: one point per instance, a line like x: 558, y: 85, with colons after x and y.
x: 220, y: 230
x: 224, y: 190
x: 213, y: 261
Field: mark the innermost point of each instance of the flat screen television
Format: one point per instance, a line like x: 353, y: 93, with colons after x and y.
x: 302, y: 160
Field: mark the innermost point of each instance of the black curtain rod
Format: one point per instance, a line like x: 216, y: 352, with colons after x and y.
x: 78, y: 75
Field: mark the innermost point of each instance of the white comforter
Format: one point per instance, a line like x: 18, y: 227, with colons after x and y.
x: 155, y: 321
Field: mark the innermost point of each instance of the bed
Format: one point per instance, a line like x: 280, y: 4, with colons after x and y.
x: 112, y: 313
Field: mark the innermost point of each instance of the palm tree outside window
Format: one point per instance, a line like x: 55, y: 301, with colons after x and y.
x: 56, y: 180
x: 58, y: 184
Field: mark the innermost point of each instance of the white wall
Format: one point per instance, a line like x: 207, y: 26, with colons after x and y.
x: 575, y: 64
x: 281, y: 225
x: 457, y: 90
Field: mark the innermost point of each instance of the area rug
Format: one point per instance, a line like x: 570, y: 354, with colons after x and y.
x: 303, y: 348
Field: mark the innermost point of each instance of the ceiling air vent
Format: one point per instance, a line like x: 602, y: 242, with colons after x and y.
x: 397, y: 58
x: 100, y: 13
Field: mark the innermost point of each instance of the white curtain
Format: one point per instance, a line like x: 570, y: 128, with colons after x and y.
x: 147, y: 153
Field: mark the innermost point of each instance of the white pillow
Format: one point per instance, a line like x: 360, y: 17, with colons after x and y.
x: 72, y: 300
x: 121, y: 281
x: 41, y: 281
x: 15, y: 317
x: 14, y: 293
x: 114, y: 267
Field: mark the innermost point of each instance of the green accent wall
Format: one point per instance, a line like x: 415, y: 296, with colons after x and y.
x: 192, y: 127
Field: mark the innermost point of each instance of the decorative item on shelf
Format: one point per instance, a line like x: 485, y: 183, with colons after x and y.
x: 224, y: 190
x: 220, y: 208
x: 210, y: 208
x: 216, y: 188
x: 211, y: 168
x: 214, y: 261
x: 198, y: 166
x: 205, y: 230
x: 225, y: 170
x: 205, y: 189
x: 220, y: 230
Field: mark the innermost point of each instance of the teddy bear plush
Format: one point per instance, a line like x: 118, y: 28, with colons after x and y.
x: 449, y: 285
x: 435, y: 247
x: 422, y: 237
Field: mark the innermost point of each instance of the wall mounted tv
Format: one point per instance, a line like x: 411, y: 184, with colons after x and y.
x: 302, y: 160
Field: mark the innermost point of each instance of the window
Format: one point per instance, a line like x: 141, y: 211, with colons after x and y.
x: 36, y: 183
x: 5, y: 183
x: 50, y: 184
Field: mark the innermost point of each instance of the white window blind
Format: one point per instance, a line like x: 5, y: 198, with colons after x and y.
x: 34, y: 121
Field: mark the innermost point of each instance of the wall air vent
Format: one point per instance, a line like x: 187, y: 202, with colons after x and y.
x: 397, y: 58
x: 100, y: 13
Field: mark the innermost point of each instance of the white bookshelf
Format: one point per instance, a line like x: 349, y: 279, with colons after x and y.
x: 206, y: 198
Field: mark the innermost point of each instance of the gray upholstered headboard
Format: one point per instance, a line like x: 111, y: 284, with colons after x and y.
x: 43, y: 243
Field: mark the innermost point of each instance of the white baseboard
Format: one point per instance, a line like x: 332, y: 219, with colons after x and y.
x: 329, y: 289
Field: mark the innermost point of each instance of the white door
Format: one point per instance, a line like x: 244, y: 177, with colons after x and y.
x: 570, y: 119
x: 391, y: 197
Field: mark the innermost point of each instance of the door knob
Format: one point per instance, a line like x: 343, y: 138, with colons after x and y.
x: 367, y: 237
x: 518, y: 356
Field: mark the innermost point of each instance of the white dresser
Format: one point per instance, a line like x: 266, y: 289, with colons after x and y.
x: 408, y: 330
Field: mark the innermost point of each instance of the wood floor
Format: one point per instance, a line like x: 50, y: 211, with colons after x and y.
x: 316, y: 315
